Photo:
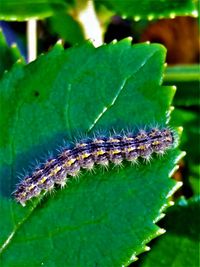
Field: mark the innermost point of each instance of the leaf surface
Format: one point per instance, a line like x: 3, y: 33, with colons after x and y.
x: 8, y: 55
x: 26, y: 9
x: 151, y: 9
x: 103, y: 218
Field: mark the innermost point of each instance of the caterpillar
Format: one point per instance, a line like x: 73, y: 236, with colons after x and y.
x: 86, y: 153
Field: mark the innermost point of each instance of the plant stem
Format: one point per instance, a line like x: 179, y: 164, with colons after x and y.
x: 89, y: 21
x: 32, y: 39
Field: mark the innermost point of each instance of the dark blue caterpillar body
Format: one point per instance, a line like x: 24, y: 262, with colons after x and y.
x: 99, y: 150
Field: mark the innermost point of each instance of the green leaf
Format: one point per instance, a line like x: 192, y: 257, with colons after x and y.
x: 151, y: 9
x: 66, y: 27
x: 189, y: 140
x: 103, y: 218
x: 186, y: 78
x: 180, y: 245
x: 191, y: 134
x: 8, y: 55
x: 26, y: 9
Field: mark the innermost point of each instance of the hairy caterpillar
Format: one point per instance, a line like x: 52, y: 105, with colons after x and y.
x: 98, y: 150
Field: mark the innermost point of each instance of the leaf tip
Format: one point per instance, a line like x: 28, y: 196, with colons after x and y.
x: 132, y: 259
x: 171, y: 203
x: 130, y: 38
x: 195, y: 14
x: 147, y: 248
x: 13, y: 45
x: 59, y: 43
x: 183, y: 153
x: 172, y: 15
x: 124, y: 16
x: 174, y: 189
x: 176, y: 167
x: 180, y: 156
x: 160, y: 216
x: 137, y: 18
x: 114, y: 41
x: 19, y: 61
x: 150, y: 17
x: 174, y: 88
x: 160, y: 231
x: 180, y: 130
